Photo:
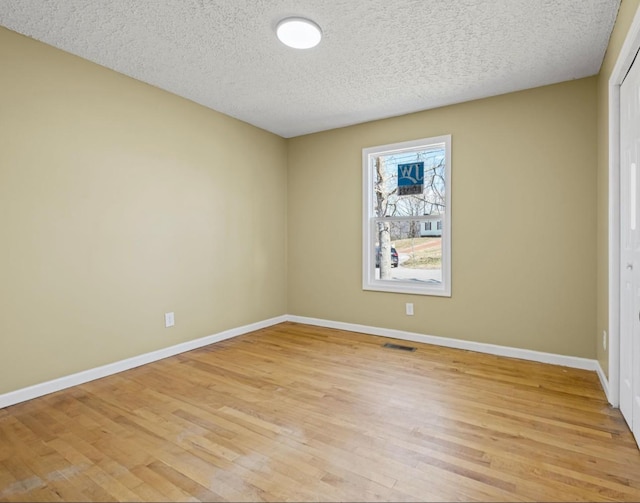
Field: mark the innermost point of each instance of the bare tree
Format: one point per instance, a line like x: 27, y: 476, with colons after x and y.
x: 433, y: 196
x: 383, y: 200
x: 411, y: 206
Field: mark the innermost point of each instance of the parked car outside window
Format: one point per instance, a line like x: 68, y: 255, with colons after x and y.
x: 394, y: 257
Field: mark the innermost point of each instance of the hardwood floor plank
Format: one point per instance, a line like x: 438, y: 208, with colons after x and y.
x: 169, y: 490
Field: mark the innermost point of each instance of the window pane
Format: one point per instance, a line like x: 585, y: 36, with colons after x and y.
x: 404, y: 253
x: 410, y: 183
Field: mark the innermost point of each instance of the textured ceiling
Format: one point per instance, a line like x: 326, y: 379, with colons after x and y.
x: 378, y: 58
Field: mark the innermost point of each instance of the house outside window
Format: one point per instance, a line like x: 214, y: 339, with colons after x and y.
x: 406, y: 189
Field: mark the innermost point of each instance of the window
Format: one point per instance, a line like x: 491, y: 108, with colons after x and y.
x: 406, y: 188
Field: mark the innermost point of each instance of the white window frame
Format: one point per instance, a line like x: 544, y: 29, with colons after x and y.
x: 369, y: 282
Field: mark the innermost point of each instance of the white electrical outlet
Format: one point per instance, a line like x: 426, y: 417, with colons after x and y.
x: 604, y: 339
x: 169, y: 320
x: 409, y: 308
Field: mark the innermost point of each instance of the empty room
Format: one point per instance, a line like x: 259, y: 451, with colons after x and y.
x: 277, y: 250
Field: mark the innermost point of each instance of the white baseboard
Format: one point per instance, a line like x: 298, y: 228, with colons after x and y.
x: 603, y: 381
x: 45, y: 388
x: 480, y: 347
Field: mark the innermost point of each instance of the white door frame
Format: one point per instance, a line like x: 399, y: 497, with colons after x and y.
x: 623, y: 63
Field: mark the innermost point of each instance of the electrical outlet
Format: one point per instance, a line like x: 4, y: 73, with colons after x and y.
x: 409, y: 309
x: 604, y: 339
x: 169, y: 320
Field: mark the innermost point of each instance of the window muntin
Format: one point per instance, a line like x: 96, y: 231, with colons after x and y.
x: 407, y: 208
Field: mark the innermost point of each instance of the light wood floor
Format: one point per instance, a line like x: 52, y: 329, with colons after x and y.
x: 300, y: 413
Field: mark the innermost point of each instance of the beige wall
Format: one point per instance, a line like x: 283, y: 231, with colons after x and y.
x: 120, y: 202
x: 626, y: 14
x: 524, y: 236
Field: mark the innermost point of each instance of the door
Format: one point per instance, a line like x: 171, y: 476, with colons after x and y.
x: 630, y: 249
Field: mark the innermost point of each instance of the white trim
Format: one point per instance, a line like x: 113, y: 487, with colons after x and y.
x: 480, y: 347
x: 623, y: 63
x: 61, y: 383
x: 603, y: 380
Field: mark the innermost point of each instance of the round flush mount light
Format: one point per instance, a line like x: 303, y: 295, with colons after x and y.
x: 298, y: 33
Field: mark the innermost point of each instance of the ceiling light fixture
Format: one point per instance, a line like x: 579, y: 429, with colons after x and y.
x: 298, y: 33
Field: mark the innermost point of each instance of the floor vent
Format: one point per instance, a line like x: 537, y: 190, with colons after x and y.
x: 398, y: 346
